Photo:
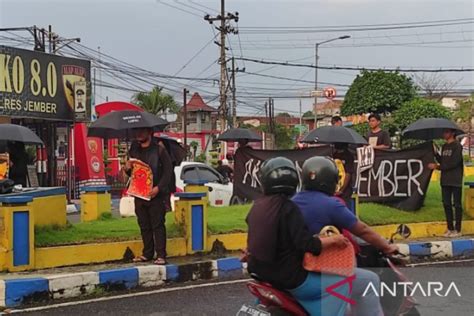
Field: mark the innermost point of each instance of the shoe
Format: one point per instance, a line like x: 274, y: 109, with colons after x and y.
x: 456, y: 234
x: 449, y: 233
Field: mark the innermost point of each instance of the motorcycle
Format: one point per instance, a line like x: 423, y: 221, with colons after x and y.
x: 271, y: 301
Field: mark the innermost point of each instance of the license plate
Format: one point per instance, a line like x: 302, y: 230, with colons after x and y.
x: 246, y: 310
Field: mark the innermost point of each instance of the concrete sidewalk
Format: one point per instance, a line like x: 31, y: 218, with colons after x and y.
x: 17, y: 289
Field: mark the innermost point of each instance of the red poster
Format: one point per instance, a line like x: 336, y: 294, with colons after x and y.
x: 141, y: 181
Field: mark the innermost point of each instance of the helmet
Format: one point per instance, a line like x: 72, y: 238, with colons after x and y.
x: 320, y: 174
x: 278, y: 175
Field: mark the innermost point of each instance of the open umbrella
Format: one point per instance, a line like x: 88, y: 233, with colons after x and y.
x: 18, y: 133
x: 236, y: 134
x: 119, y: 124
x: 334, y: 134
x: 430, y: 128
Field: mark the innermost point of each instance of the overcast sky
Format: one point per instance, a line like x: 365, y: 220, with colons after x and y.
x: 157, y: 37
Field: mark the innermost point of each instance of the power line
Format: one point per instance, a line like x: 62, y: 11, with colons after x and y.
x: 353, y: 28
x: 195, y: 56
x: 311, y: 46
x: 178, y: 8
x: 354, y: 68
x: 388, y: 36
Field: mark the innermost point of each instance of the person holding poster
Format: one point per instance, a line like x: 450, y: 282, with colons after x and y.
x: 452, y: 169
x: 378, y: 138
x: 151, y: 210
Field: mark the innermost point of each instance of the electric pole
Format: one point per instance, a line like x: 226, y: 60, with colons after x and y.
x: 185, y: 120
x: 234, y: 89
x: 224, y: 29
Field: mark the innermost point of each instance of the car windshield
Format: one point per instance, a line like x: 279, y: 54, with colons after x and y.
x: 194, y: 173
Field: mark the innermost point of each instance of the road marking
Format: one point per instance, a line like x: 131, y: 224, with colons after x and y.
x: 412, y: 265
x: 109, y: 298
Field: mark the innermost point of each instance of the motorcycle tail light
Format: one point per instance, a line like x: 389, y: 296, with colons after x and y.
x: 269, y: 296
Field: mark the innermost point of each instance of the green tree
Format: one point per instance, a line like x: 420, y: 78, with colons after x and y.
x: 285, y: 137
x: 416, y: 109
x: 284, y: 114
x: 155, y: 101
x: 378, y: 92
x: 464, y: 113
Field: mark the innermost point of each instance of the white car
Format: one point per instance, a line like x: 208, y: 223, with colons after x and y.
x: 220, y: 189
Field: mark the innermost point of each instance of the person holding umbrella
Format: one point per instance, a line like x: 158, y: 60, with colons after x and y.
x: 452, y: 168
x: 151, y: 214
x: 450, y: 162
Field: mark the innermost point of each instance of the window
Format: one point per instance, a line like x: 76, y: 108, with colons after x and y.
x: 208, y: 175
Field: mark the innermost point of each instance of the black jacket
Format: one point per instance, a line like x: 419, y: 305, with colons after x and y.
x: 282, y: 226
x: 451, y: 164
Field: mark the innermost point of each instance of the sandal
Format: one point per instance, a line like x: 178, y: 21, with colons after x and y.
x: 160, y: 262
x: 141, y: 259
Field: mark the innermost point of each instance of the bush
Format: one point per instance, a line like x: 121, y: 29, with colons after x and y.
x: 414, y: 110
x: 201, y: 158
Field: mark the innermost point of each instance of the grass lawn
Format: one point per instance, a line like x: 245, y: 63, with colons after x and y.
x: 225, y: 220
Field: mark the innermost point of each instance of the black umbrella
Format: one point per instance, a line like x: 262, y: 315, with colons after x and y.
x: 334, y: 134
x: 18, y: 133
x: 120, y: 123
x: 430, y: 128
x: 236, y: 134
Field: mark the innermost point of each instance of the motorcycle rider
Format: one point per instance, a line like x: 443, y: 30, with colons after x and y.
x: 320, y: 208
x: 278, y: 239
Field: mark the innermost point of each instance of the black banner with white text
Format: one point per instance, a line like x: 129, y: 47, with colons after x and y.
x: 398, y: 178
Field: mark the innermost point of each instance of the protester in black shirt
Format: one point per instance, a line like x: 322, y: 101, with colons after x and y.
x: 19, y: 163
x: 224, y: 170
x: 151, y: 214
x: 378, y: 138
x: 336, y: 121
x: 278, y: 239
x: 347, y: 158
x: 452, y: 169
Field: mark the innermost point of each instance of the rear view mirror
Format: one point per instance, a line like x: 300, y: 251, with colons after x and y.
x: 404, y: 231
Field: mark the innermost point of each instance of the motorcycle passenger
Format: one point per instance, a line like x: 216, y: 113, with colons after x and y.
x: 278, y: 240
x: 319, y: 208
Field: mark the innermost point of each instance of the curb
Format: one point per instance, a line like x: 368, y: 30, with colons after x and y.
x: 17, y: 292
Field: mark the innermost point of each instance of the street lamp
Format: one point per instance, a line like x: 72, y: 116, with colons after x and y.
x: 316, y: 57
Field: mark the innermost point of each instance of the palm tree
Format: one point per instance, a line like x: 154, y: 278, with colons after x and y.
x: 156, y: 102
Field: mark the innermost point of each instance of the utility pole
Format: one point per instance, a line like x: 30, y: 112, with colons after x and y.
x: 224, y: 29
x: 316, y: 48
x: 234, y: 71
x: 185, y: 120
x: 301, y: 120
x: 234, y: 101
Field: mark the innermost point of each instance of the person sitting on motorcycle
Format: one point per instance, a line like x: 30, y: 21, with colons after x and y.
x: 278, y: 239
x: 320, y: 208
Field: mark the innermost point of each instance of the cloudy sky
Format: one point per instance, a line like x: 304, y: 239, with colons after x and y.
x: 171, y: 37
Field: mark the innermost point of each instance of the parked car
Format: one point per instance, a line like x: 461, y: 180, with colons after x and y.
x: 220, y: 189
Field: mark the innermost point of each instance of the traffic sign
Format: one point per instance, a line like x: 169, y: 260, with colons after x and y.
x: 329, y: 93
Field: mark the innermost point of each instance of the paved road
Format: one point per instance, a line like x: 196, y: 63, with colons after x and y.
x: 226, y: 299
